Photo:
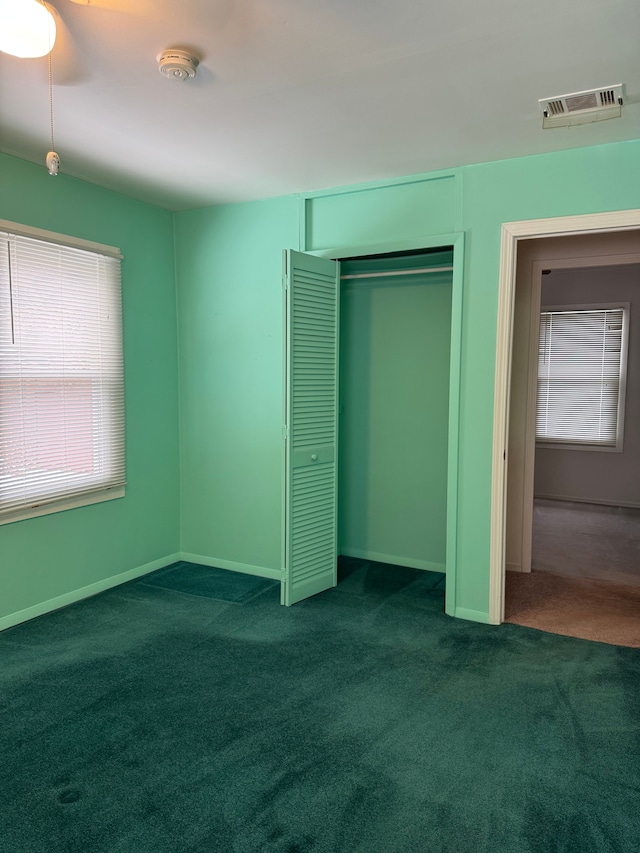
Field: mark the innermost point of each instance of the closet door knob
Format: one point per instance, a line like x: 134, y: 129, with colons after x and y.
x: 314, y: 457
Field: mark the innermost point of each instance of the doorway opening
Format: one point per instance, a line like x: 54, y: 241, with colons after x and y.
x: 585, y: 524
x: 581, y: 270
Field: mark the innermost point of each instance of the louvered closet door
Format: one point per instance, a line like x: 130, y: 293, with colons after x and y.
x: 312, y: 290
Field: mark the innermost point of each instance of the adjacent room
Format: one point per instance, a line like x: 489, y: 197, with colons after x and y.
x: 573, y: 559
x: 263, y: 334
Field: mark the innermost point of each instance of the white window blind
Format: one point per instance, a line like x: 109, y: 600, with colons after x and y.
x: 61, y: 376
x: 581, y: 374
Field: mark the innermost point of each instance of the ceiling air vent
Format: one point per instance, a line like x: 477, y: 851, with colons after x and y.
x: 556, y: 108
x: 582, y: 107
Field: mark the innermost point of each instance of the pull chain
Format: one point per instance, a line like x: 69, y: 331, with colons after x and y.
x: 51, y: 102
x: 52, y: 160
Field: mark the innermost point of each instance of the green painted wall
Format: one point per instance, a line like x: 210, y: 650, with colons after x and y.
x: 587, y: 180
x: 51, y: 556
x: 231, y: 406
x: 394, y: 409
x: 229, y: 293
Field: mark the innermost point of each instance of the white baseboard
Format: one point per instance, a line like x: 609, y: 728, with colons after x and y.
x: 84, y: 592
x: 516, y: 567
x: 472, y: 615
x: 259, y: 571
x: 596, y: 501
x: 409, y: 562
x: 245, y: 568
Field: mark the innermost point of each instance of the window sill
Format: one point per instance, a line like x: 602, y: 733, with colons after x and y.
x: 542, y: 445
x: 74, y: 502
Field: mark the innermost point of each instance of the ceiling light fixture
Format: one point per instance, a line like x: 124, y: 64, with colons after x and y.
x: 27, y: 28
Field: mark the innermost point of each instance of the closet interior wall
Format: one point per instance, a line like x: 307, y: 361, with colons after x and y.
x: 395, y: 335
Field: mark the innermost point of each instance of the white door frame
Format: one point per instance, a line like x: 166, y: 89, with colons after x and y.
x: 526, y: 521
x: 512, y: 232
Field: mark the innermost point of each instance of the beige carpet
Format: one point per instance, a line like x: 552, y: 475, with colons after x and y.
x: 576, y: 607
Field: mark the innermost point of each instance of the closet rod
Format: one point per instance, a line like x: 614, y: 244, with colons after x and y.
x: 397, y: 272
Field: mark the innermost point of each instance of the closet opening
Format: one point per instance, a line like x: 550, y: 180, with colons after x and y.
x: 393, y: 416
x: 371, y: 417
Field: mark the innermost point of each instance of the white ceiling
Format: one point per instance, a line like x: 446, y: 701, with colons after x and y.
x: 296, y: 95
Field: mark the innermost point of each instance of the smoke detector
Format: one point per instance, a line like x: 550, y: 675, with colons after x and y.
x: 177, y: 64
x: 582, y: 107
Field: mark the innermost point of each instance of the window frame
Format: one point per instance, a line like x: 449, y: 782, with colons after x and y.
x: 546, y: 444
x: 47, y: 506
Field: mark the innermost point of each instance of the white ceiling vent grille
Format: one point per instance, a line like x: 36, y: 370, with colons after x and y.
x: 555, y: 108
x: 582, y: 107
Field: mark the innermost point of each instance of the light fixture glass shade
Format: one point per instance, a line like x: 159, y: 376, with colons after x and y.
x: 27, y: 28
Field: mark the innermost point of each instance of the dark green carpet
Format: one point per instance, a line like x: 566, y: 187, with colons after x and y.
x: 147, y: 721
x: 210, y: 582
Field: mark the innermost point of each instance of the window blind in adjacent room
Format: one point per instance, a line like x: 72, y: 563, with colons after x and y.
x: 581, y: 376
x: 61, y: 375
